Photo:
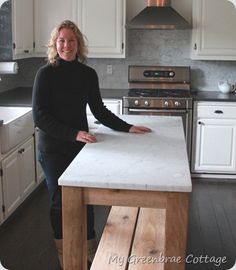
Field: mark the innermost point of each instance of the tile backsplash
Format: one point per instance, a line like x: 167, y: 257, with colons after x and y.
x: 144, y: 47
x: 5, y: 31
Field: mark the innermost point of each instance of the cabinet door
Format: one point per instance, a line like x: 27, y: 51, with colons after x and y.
x: 1, y: 201
x: 215, y: 146
x: 27, y: 167
x: 23, y: 32
x: 214, y: 30
x: 39, y: 171
x: 11, y: 182
x: 48, y: 14
x: 103, y: 24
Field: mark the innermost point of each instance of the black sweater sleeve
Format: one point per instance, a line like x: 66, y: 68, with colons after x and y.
x: 42, y: 115
x: 99, y: 110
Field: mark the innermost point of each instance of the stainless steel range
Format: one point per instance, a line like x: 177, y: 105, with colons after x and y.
x: 160, y: 90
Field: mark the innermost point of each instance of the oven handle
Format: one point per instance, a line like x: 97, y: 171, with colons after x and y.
x: 157, y: 110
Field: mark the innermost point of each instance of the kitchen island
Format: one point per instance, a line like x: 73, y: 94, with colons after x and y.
x: 145, y: 170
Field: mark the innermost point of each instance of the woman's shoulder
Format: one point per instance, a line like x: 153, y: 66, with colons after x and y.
x: 87, y: 69
x: 47, y: 71
x: 44, y: 69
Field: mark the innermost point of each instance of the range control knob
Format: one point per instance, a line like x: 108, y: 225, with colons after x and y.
x: 171, y: 74
x: 166, y: 103
x: 146, y: 103
x: 136, y: 102
x: 177, y: 103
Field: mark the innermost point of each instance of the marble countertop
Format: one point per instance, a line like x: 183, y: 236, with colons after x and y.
x: 152, y: 161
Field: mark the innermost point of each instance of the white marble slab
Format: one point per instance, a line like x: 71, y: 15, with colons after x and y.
x: 151, y: 161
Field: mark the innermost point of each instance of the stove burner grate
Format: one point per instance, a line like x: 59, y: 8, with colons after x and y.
x: 178, y: 93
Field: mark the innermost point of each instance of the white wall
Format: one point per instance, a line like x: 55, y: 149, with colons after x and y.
x: 184, y: 7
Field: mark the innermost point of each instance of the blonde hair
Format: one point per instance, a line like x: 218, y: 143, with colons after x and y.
x: 82, y: 47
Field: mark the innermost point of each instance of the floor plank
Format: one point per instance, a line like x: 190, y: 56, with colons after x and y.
x: 26, y: 241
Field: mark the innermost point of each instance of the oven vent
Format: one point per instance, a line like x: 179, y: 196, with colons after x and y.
x: 158, y: 15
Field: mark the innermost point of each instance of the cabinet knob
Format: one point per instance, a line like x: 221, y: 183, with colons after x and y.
x: 218, y: 111
x: 26, y: 51
x: 22, y: 150
x: 201, y: 123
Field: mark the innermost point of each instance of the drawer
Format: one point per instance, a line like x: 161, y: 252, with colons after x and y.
x: 216, y: 111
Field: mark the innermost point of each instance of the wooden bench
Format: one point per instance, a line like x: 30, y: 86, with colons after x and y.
x: 133, y: 238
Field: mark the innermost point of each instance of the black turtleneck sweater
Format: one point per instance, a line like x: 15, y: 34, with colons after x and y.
x: 60, y: 96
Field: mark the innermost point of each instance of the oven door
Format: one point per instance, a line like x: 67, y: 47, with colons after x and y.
x: 185, y: 114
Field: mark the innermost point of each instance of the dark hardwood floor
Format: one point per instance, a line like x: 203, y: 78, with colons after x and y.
x: 212, y: 224
x: 26, y: 241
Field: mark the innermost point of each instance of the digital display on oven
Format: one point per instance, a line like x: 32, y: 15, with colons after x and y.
x: 158, y: 74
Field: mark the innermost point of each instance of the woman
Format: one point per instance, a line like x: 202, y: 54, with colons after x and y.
x: 61, y: 92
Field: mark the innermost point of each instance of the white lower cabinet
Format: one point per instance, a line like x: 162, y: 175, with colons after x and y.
x: 27, y: 170
x: 114, y: 105
x: 214, y: 142
x: 1, y: 201
x: 18, y: 176
x: 39, y: 171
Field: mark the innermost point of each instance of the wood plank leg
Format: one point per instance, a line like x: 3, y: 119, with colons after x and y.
x: 74, y: 216
x: 176, y: 230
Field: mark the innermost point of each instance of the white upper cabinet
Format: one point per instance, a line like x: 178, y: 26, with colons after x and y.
x: 213, y: 36
x: 48, y: 14
x: 22, y: 28
x: 101, y: 21
x: 103, y: 24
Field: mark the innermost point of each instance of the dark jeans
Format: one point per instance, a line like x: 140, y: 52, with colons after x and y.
x: 53, y: 165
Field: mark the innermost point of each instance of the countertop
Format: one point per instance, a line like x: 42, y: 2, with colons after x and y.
x: 134, y: 161
x: 212, y: 96
x: 22, y: 96
x: 17, y: 97
x: 9, y: 114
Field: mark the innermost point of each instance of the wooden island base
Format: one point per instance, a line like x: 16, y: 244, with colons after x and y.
x: 171, y: 225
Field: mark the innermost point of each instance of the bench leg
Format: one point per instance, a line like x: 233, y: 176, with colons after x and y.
x: 74, y: 239
x: 176, y: 230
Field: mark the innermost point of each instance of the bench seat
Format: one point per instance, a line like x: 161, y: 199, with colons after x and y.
x: 133, y: 238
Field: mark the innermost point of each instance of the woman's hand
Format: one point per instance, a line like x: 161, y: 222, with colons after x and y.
x: 139, y: 129
x: 85, y: 137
